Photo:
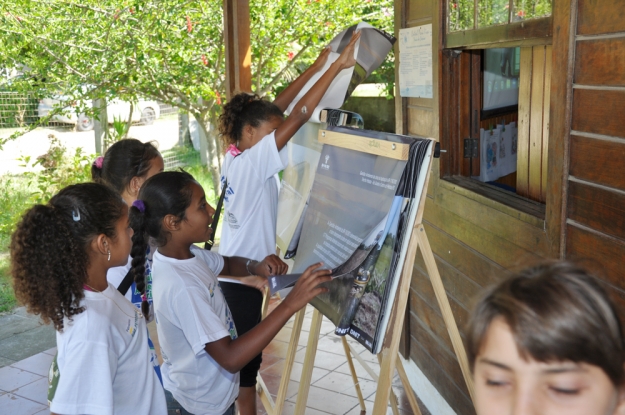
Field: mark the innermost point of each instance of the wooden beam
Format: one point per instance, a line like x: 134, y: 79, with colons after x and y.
x: 237, y: 45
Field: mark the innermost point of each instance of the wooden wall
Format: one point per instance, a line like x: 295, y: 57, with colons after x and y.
x: 534, y: 90
x: 476, y: 240
x: 595, y: 225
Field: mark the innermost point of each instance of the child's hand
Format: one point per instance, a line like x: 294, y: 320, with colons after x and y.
x: 347, y: 59
x: 307, y: 287
x: 254, y: 281
x: 322, y: 58
x: 271, y: 265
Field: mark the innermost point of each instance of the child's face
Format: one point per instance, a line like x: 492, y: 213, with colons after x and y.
x: 121, y: 245
x: 507, y: 384
x: 199, y: 216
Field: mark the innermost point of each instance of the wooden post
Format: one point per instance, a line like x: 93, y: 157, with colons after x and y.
x: 238, y: 50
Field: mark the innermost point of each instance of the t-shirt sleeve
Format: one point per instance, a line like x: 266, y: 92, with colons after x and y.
x: 85, y: 382
x: 197, y: 318
x: 265, y: 158
x: 214, y: 260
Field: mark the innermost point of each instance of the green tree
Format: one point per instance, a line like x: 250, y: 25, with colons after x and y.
x: 168, y: 50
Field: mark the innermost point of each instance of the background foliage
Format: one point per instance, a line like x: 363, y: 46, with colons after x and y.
x: 168, y: 50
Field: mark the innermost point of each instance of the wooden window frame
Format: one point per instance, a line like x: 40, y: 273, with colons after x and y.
x: 456, y: 45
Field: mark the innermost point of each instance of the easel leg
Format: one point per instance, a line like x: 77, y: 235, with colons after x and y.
x: 309, y: 360
x: 390, y: 348
x: 275, y: 408
x: 443, y: 302
x: 392, y: 397
x: 407, y: 388
x: 352, y: 369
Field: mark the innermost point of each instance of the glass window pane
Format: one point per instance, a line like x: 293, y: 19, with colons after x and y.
x: 461, y: 15
x: 529, y: 9
x: 492, y: 12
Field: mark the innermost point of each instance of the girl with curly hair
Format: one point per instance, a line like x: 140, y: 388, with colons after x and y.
x: 254, y: 131
x: 202, y: 354
x: 126, y: 165
x: 60, y: 254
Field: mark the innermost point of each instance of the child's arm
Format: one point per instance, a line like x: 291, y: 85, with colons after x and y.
x: 287, y: 96
x: 238, y: 266
x: 305, y: 106
x: 232, y: 355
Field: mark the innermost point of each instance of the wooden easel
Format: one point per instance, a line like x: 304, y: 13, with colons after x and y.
x: 388, y: 355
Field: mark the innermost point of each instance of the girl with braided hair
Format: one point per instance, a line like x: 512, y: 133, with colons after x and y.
x: 254, y: 131
x: 202, y: 353
x: 60, y: 254
x: 126, y: 165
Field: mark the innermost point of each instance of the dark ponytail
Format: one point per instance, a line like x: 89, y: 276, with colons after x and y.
x: 124, y: 160
x: 138, y: 252
x: 50, y: 248
x: 167, y: 193
x: 244, y: 109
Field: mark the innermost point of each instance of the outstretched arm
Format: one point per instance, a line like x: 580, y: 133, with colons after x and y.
x: 287, y: 96
x: 237, y: 266
x: 232, y: 355
x: 305, y: 106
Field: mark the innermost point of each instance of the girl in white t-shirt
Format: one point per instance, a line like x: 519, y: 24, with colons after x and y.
x: 60, y: 254
x: 202, y: 354
x: 125, y: 166
x: 254, y: 131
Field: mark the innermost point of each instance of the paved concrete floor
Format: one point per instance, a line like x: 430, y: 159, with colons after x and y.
x: 27, y: 349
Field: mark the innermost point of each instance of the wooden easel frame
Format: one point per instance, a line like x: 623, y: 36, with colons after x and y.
x: 388, y: 355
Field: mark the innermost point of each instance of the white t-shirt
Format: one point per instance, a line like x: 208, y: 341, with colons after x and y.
x: 251, y: 200
x: 190, y: 311
x: 116, y: 275
x: 103, y: 361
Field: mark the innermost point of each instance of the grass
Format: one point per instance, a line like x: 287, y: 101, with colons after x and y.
x: 7, y: 297
x: 15, y: 199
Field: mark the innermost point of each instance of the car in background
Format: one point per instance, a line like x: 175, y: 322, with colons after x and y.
x: 144, y: 112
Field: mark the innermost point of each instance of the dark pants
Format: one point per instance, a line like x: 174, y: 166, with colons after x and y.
x: 245, y: 304
x: 174, y: 407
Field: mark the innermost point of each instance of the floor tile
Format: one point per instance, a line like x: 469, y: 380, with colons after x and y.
x: 344, y: 384
x: 289, y: 409
x: 361, y: 373
x: 330, y: 343
x: 12, y: 378
x: 39, y: 364
x: 36, y: 391
x: 269, y: 360
x: 273, y: 384
x: 328, y: 401
x: 296, y: 372
x: 283, y: 335
x: 277, y: 348
x: 51, y: 351
x: 369, y: 405
x: 323, y: 359
x: 16, y: 405
x: 44, y: 412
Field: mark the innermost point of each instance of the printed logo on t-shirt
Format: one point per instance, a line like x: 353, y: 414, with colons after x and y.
x: 53, y: 379
x: 232, y: 221
x: 130, y: 328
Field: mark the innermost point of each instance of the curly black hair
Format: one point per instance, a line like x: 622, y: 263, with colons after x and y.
x: 241, y: 110
x: 49, y: 248
x: 167, y: 193
x: 124, y: 160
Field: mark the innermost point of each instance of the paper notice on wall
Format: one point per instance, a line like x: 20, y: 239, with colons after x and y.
x: 415, y: 62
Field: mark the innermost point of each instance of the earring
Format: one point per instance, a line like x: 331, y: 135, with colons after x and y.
x: 109, y: 255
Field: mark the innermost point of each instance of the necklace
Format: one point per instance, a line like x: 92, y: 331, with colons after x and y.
x: 115, y: 302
